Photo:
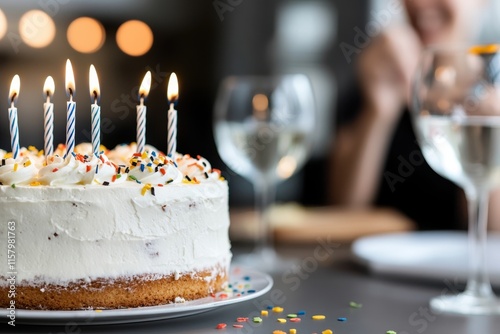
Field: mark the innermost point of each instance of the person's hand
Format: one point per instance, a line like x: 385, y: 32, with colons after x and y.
x: 385, y: 69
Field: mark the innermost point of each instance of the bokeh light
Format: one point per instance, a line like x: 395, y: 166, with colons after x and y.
x: 37, y: 29
x: 86, y: 35
x: 3, y: 24
x: 134, y: 37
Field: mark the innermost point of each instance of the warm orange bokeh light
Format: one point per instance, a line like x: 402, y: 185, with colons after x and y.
x: 37, y: 29
x: 86, y: 35
x: 3, y: 24
x: 134, y: 37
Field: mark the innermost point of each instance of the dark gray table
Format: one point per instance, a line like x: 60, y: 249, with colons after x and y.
x: 320, y: 284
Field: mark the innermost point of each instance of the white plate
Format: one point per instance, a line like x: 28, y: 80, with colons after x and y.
x: 435, y: 255
x: 245, y: 284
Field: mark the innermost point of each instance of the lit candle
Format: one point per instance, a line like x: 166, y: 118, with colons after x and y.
x: 141, y: 112
x: 95, y: 110
x: 70, y: 109
x: 48, y: 112
x: 173, y: 95
x: 14, y: 129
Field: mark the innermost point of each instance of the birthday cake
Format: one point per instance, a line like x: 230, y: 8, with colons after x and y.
x: 113, y: 230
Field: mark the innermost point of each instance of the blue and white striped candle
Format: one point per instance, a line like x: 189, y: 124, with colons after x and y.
x: 95, y: 110
x: 70, y: 109
x: 141, y: 112
x: 14, y: 129
x: 48, y: 113
x: 173, y: 95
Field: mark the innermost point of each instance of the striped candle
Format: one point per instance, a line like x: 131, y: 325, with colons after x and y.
x: 95, y: 110
x: 70, y: 109
x: 141, y: 112
x: 173, y: 95
x: 48, y: 112
x: 14, y: 129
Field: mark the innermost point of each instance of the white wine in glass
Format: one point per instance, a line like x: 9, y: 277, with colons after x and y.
x: 263, y: 127
x: 456, y: 113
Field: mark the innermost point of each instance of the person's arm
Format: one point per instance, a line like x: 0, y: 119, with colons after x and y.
x: 385, y: 69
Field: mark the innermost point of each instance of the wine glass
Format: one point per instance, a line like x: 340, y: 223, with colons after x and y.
x: 263, y: 127
x: 456, y: 116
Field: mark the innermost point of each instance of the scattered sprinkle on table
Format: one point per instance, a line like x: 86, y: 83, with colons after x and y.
x: 293, y: 331
x: 221, y: 326
x: 391, y: 332
x: 281, y: 320
x: 355, y: 305
x: 278, y: 332
x: 257, y: 319
x: 342, y: 319
x: 264, y: 313
x: 301, y: 312
x: 291, y: 315
x: 318, y: 317
x: 269, y: 307
x: 237, y: 326
x: 295, y: 319
x: 241, y: 319
x: 327, y: 331
x: 277, y: 309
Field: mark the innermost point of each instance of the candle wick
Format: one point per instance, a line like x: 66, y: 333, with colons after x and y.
x: 142, y: 99
x: 95, y: 97
x: 13, y: 98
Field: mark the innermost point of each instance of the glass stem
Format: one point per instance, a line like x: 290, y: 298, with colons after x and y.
x: 265, y: 192
x: 478, y: 284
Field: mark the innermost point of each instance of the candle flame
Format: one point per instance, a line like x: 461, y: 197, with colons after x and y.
x: 95, y: 92
x: 145, y: 85
x: 173, y: 88
x: 70, y: 79
x: 49, y: 86
x: 14, y: 88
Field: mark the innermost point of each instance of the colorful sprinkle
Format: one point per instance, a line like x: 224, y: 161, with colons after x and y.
x: 327, y: 331
x: 237, y: 326
x: 391, y: 332
x: 318, y: 317
x: 241, y: 319
x: 355, y: 305
x: 269, y: 307
x: 13, y: 185
x: 35, y: 183
x: 257, y: 319
x: 221, y: 326
x: 264, y: 313
x: 295, y: 320
x: 15, y: 167
x: 27, y: 163
x: 251, y: 291
x: 301, y: 312
x: 278, y: 332
x: 291, y: 315
x: 277, y: 309
x: 293, y: 331
x: 342, y: 319
x: 281, y: 320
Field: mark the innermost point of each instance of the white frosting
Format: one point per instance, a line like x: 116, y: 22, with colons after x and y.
x: 17, y: 171
x: 74, y: 169
x: 71, y: 233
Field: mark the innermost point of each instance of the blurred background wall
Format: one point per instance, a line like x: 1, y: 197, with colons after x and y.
x: 202, y: 41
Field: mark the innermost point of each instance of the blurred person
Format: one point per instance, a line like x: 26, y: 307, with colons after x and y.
x: 376, y: 159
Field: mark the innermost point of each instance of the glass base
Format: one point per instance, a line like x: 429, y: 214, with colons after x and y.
x: 465, y: 304
x: 265, y: 260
